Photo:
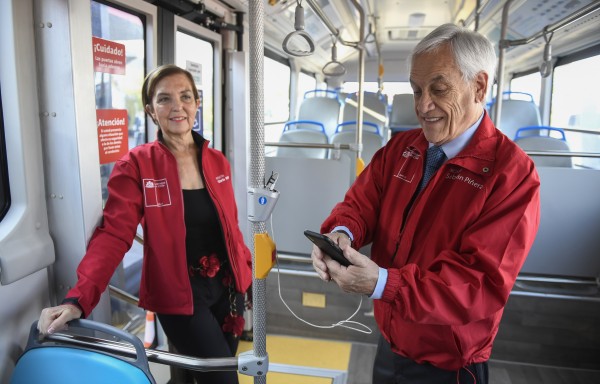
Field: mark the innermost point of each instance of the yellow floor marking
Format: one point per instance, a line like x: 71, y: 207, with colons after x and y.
x: 304, y: 352
x: 316, y: 300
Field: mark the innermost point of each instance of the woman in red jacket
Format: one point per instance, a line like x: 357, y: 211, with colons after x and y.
x: 196, y: 265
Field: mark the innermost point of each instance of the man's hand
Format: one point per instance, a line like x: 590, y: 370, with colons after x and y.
x: 319, y: 258
x: 360, y: 277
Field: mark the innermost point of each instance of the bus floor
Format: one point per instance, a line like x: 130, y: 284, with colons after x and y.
x: 541, y: 339
x: 357, y: 360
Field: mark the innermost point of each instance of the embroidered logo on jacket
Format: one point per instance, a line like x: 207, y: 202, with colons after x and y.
x: 407, y: 172
x: 222, y: 178
x: 156, y: 193
x: 454, y: 175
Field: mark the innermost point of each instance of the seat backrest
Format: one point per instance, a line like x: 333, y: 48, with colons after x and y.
x: 402, y: 115
x: 374, y: 109
x: 66, y: 365
x: 545, y: 143
x: 303, y: 136
x: 516, y: 113
x: 325, y: 110
x: 61, y: 364
x: 351, y: 126
x: 371, y: 141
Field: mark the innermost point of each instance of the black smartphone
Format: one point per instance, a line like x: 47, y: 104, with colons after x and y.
x: 328, y: 246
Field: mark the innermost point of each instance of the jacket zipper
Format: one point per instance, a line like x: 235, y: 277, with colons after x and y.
x: 410, y: 210
x: 222, y: 223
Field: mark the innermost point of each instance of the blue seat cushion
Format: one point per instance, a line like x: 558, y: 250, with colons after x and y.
x: 62, y: 365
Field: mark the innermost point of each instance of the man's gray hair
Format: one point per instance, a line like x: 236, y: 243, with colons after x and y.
x: 472, y: 51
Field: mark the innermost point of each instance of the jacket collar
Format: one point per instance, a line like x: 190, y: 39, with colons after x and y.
x: 200, y: 141
x: 478, y: 156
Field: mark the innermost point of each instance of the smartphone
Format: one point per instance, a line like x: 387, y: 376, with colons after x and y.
x: 328, y: 246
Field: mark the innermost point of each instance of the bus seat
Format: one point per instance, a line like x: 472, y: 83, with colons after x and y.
x: 320, y: 108
x: 538, y: 138
x: 371, y: 141
x: 351, y: 126
x: 516, y: 113
x: 540, y: 130
x: 303, y: 136
x: 304, y: 124
x: 403, y: 116
x: 54, y: 363
x: 374, y: 110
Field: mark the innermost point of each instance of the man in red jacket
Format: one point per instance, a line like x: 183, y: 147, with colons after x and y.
x: 445, y: 253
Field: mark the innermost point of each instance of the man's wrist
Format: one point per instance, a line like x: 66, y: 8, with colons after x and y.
x: 343, y: 232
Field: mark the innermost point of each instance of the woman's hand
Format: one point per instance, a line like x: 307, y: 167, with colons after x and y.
x: 55, y: 319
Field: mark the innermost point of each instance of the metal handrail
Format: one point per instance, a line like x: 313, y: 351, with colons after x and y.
x: 122, y: 295
x: 550, y: 28
x: 156, y: 356
x: 325, y: 19
x: 563, y: 154
x: 579, y: 130
x: 308, y: 145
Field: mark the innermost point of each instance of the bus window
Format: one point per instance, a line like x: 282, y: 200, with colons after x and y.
x: 390, y: 88
x: 118, y: 89
x: 197, y: 56
x: 531, y: 84
x: 574, y: 107
x: 306, y: 83
x: 572, y: 104
x: 277, y: 97
x: 4, y: 187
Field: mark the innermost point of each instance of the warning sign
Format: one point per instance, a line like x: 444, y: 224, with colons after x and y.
x: 112, y: 134
x: 109, y: 57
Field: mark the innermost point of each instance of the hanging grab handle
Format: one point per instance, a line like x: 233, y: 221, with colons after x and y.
x: 334, y: 67
x: 546, y: 66
x: 299, y: 32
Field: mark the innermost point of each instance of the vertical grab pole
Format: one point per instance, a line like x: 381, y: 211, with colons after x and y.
x: 501, y: 52
x: 361, y: 79
x: 257, y: 169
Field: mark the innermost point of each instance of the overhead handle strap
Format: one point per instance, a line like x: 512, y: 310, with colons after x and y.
x: 299, y: 32
x: 334, y: 67
x: 546, y: 66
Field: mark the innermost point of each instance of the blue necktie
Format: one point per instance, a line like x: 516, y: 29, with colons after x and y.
x: 434, y: 159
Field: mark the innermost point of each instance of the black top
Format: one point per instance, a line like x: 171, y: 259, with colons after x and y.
x: 203, y: 229
x: 204, y: 239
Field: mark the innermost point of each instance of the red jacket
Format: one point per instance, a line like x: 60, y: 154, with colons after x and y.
x: 144, y: 187
x: 453, y: 257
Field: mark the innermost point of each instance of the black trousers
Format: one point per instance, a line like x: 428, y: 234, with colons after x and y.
x: 200, y: 335
x: 392, y: 368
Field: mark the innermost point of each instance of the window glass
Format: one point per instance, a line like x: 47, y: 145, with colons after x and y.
x: 118, y: 91
x: 277, y: 98
x: 305, y: 83
x: 4, y: 187
x: 197, y: 56
x: 390, y: 88
x: 574, y: 105
x: 531, y: 84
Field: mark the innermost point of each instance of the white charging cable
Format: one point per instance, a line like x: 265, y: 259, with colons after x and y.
x: 348, y: 323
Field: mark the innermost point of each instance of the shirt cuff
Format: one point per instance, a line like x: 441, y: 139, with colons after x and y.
x: 341, y: 228
x: 74, y: 301
x: 381, y: 281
